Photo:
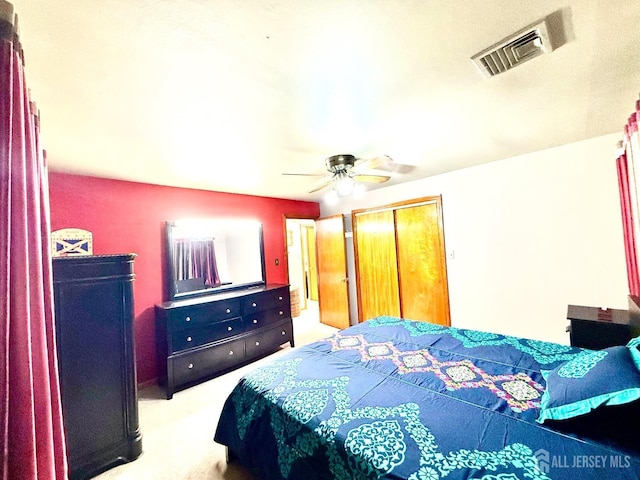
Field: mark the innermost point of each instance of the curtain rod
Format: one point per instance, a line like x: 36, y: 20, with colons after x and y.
x: 6, y: 12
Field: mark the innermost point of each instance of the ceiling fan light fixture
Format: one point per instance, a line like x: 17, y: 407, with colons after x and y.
x: 345, y: 180
x: 343, y: 184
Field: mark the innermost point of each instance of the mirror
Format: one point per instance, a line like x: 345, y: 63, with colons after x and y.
x: 206, y: 256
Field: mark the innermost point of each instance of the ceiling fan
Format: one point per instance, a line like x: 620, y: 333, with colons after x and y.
x: 343, y: 177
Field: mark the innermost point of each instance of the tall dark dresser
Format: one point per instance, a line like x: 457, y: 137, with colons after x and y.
x: 96, y: 357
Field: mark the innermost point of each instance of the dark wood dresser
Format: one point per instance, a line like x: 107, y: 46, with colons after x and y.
x: 200, y: 338
x: 96, y: 357
x: 597, y: 328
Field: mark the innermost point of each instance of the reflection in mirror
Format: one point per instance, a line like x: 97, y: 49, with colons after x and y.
x: 210, y: 255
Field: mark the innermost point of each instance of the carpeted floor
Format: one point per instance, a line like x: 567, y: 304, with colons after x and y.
x: 177, y: 434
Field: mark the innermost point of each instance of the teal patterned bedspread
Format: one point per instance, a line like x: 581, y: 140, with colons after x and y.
x: 399, y: 399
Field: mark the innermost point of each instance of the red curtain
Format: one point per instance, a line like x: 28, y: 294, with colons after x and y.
x: 32, y: 435
x: 628, y: 166
x: 196, y: 259
x: 627, y: 225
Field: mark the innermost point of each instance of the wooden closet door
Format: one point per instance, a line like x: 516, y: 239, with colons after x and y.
x: 374, y: 237
x: 422, y: 271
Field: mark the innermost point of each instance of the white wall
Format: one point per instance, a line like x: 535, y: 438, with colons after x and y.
x: 526, y: 236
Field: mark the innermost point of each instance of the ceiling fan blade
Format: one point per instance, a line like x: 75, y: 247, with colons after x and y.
x: 323, y: 185
x: 374, y: 163
x: 385, y: 162
x: 401, y: 168
x: 371, y: 178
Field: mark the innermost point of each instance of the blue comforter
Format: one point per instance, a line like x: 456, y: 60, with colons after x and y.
x: 397, y: 399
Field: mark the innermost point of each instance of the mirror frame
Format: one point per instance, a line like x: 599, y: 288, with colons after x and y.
x: 174, y: 295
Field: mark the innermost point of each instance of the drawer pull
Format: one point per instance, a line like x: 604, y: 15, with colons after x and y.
x: 188, y: 319
x: 228, y: 310
x: 283, y: 332
x: 255, y: 321
x: 279, y: 298
x: 257, y: 344
x: 190, y: 365
x: 188, y: 339
x: 230, y: 352
x: 229, y: 328
x: 280, y: 312
x: 254, y: 304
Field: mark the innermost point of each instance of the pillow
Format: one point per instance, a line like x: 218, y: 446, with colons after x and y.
x: 592, y: 379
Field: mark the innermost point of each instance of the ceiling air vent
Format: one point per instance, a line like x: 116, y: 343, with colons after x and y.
x: 524, y: 45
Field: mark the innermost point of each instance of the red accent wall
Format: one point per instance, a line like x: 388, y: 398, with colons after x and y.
x: 130, y: 217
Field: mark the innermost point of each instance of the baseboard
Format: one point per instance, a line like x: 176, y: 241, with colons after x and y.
x: 148, y: 383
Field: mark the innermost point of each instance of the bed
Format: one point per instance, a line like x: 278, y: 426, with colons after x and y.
x: 400, y: 399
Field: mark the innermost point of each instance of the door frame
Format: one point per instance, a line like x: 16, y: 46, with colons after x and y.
x: 285, y: 217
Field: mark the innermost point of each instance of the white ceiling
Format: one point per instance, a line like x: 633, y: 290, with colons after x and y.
x: 227, y: 95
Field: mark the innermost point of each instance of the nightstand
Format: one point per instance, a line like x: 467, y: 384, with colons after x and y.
x: 597, y: 328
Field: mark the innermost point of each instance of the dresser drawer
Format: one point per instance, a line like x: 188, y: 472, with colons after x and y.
x: 278, y: 298
x: 199, y: 338
x: 269, y: 340
x: 186, y: 317
x: 189, y: 367
x: 197, y: 335
x: 265, y: 318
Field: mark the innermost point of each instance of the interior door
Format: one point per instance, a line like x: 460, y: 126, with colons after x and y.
x: 331, y: 255
x: 377, y: 277
x: 422, y: 270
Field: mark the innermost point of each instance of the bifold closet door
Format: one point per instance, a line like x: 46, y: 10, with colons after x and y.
x: 375, y: 239
x: 422, y: 272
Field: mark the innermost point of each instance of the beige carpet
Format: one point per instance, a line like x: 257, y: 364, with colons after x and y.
x: 177, y: 434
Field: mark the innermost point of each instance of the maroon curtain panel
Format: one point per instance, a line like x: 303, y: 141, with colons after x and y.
x: 627, y: 164
x: 627, y: 225
x: 196, y: 259
x: 205, y: 264
x: 32, y: 436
